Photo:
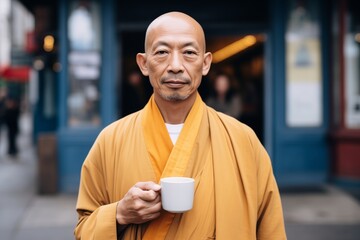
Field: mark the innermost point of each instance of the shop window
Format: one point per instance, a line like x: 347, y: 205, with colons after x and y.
x: 352, y: 65
x: 303, y: 65
x: 84, y: 60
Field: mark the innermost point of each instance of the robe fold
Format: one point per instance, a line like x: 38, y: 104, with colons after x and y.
x: 236, y: 196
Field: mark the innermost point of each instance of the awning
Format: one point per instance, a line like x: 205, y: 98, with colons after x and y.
x: 15, y: 73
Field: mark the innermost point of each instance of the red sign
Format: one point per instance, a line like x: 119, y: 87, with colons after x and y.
x: 15, y: 73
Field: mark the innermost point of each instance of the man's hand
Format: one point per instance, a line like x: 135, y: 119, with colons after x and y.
x: 140, y: 204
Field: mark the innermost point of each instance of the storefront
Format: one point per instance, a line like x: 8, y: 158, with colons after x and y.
x: 304, y: 83
x: 346, y: 93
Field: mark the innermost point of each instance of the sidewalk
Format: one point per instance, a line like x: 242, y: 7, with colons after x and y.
x: 23, y: 213
x: 329, y: 214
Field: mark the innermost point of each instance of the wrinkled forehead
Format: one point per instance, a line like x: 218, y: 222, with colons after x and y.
x: 175, y: 25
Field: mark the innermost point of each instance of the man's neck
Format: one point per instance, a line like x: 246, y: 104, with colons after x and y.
x: 175, y: 112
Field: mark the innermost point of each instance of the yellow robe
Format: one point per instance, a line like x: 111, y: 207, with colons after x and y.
x: 236, y: 196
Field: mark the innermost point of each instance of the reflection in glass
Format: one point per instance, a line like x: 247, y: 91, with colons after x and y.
x: 352, y: 67
x: 303, y: 65
x: 84, y: 60
x: 81, y: 35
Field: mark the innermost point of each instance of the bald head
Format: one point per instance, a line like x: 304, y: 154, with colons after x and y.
x: 175, y: 59
x: 175, y: 21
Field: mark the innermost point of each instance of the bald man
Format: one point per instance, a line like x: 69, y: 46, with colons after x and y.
x: 176, y: 134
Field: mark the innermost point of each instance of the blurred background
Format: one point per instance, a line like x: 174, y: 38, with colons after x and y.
x: 288, y: 69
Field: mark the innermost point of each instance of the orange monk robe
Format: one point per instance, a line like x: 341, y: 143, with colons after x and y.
x: 236, y: 196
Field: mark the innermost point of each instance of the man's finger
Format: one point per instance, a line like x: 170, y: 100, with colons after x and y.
x: 148, y: 186
x: 148, y: 195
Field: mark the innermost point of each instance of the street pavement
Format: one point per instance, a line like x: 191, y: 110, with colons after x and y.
x: 328, y: 213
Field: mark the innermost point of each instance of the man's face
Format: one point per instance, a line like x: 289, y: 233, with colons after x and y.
x: 175, y: 59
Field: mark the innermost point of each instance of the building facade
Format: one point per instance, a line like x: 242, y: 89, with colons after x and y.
x: 299, y: 76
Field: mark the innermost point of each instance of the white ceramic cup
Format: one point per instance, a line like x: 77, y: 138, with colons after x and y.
x: 177, y: 194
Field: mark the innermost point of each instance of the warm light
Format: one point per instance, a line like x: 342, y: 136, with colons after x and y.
x: 49, y: 43
x: 357, y: 37
x: 233, y: 48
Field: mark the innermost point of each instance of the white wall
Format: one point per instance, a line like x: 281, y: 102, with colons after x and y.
x: 4, y: 33
x: 22, y: 22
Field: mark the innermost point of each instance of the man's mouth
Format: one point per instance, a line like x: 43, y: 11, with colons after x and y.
x: 174, y: 83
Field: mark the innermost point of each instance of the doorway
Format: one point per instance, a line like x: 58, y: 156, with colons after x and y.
x: 244, y: 66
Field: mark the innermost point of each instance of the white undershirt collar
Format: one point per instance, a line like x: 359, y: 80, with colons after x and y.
x: 174, y: 131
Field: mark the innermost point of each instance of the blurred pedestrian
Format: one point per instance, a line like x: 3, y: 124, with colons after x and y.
x: 224, y: 96
x: 12, y: 114
x: 2, y: 108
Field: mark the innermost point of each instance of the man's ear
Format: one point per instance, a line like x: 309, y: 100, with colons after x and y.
x: 206, y: 63
x: 141, y: 62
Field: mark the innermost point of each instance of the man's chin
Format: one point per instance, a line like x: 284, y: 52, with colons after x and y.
x: 175, y: 97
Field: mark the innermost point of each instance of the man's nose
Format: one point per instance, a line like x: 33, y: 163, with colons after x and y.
x: 176, y: 63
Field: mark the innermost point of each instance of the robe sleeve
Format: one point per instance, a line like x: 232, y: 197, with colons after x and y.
x: 270, y: 224
x: 96, y: 215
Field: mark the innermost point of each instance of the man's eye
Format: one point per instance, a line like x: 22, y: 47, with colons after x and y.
x: 189, y: 52
x: 161, y: 52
